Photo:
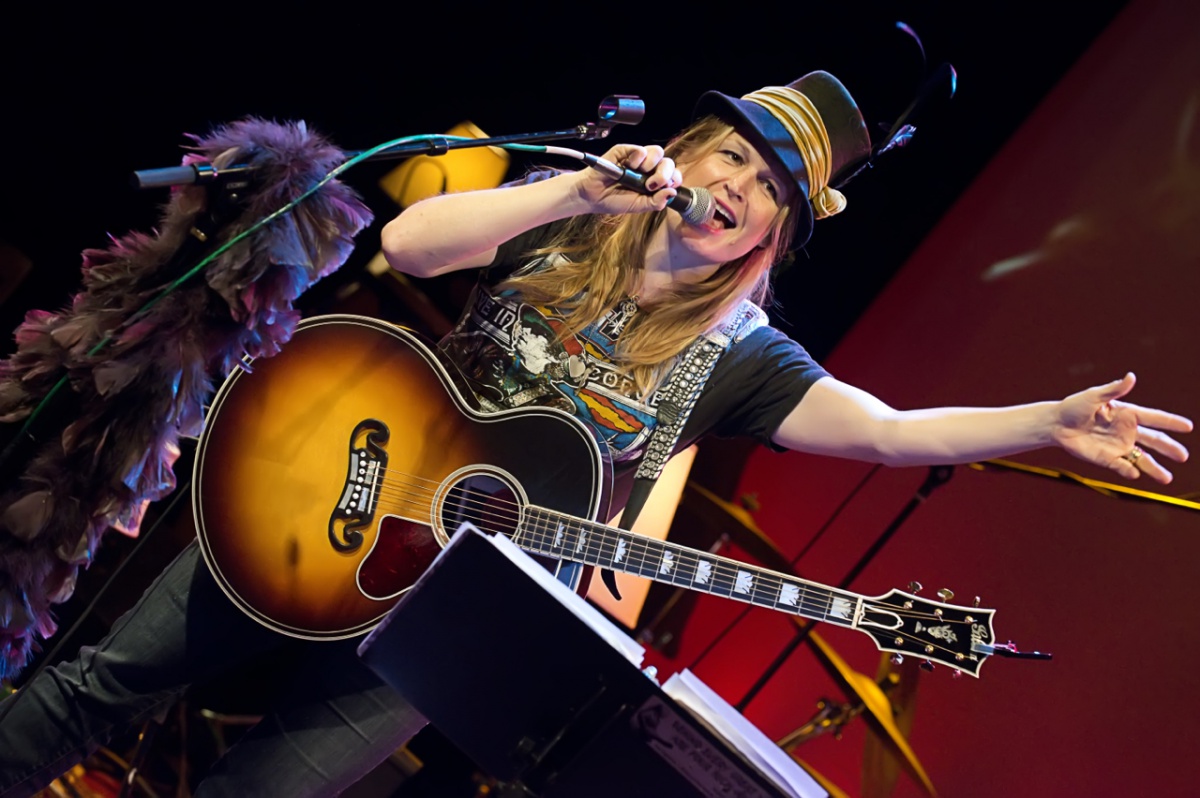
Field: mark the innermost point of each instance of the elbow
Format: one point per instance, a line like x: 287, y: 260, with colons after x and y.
x: 399, y: 251
x: 883, y: 441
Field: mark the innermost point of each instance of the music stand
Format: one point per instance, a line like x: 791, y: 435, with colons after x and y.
x: 528, y: 690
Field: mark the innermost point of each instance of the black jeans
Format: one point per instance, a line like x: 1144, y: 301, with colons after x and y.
x: 335, y: 721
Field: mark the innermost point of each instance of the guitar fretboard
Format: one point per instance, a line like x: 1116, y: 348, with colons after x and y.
x: 565, y: 537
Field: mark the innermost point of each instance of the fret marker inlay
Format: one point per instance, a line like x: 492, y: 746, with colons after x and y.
x: 558, y: 536
x: 619, y: 554
x: 703, y: 572
x: 582, y: 542
x: 744, y: 582
x: 840, y: 608
x: 789, y: 595
x: 668, y: 562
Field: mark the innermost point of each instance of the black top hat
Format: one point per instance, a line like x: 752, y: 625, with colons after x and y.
x: 811, y: 127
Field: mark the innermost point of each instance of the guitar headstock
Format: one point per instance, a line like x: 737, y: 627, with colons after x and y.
x: 904, y: 623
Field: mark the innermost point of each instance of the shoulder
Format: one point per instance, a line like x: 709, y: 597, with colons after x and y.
x: 745, y: 319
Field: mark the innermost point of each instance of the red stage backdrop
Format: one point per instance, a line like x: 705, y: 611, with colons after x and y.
x: 1073, y: 258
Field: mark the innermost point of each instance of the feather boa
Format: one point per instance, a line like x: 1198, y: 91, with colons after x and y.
x: 146, y: 387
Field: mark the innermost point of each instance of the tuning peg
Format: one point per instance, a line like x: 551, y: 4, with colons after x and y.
x: 977, y: 601
x: 897, y: 659
x: 926, y: 665
x: 956, y: 675
x: 914, y: 586
x: 945, y: 594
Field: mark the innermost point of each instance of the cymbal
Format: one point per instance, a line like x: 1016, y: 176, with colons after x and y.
x: 880, y: 766
x: 734, y: 521
x: 878, y: 708
x: 737, y: 523
x: 829, y: 787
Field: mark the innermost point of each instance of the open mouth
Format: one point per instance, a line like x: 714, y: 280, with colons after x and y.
x: 723, y: 217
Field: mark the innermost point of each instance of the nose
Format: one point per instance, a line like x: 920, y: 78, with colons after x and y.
x: 735, y: 183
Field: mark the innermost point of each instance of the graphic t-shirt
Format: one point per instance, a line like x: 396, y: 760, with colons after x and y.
x: 514, y: 354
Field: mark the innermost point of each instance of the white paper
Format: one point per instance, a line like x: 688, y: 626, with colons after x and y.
x: 772, y: 761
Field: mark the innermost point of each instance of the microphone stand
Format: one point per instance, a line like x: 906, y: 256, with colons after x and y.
x: 938, y: 475
x: 17, y: 446
x: 228, y: 187
x: 616, y: 109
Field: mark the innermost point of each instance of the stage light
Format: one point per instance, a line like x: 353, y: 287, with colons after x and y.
x: 463, y: 169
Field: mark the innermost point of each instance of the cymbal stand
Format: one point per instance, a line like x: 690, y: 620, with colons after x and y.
x: 938, y: 475
x: 832, y: 717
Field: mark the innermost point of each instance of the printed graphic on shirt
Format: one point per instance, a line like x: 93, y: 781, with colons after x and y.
x: 515, y: 354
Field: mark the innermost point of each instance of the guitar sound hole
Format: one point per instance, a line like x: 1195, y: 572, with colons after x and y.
x: 484, y: 501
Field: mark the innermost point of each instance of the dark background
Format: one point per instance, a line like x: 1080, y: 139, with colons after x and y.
x: 91, y: 96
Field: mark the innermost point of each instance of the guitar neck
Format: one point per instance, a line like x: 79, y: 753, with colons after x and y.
x: 565, y: 537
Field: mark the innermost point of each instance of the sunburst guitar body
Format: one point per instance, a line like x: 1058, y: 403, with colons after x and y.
x: 329, y: 475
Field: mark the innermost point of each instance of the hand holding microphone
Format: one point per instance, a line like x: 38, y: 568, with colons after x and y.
x: 695, y: 205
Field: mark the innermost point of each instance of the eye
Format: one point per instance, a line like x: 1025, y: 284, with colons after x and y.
x: 771, y: 188
x: 732, y: 155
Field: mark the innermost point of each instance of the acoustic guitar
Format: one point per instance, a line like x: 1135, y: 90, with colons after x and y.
x: 330, y: 475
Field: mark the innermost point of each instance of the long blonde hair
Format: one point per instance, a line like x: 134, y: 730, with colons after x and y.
x: 601, y: 256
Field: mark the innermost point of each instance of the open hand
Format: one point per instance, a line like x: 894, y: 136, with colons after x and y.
x: 1097, y: 426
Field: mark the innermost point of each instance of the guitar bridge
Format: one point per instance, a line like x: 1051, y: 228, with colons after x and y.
x: 366, y: 463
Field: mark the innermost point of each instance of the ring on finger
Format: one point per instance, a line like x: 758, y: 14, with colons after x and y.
x: 1134, y: 455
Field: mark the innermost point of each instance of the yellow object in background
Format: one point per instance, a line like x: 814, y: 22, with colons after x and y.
x: 423, y: 176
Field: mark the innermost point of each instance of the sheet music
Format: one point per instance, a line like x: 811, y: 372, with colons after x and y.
x: 772, y: 761
x: 606, y: 629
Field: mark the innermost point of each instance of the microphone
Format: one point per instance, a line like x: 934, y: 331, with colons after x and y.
x: 695, y: 205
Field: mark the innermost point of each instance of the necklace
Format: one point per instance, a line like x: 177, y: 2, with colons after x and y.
x: 618, y: 319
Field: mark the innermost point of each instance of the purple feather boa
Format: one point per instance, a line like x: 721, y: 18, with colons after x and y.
x: 147, y: 386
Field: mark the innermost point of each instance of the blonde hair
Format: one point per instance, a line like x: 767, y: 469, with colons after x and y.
x: 601, y: 257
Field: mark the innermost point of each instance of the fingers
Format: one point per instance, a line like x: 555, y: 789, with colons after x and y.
x: 1144, y: 464
x: 662, y: 176
x: 1160, y: 419
x: 1117, y: 388
x: 1162, y: 443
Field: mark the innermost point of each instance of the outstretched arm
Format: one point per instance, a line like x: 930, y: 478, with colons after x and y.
x: 1095, y: 425
x: 449, y: 232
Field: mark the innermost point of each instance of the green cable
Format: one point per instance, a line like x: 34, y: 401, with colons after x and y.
x: 333, y: 173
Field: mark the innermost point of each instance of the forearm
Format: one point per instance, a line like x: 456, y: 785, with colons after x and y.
x: 455, y: 231
x: 950, y: 435
x: 840, y: 420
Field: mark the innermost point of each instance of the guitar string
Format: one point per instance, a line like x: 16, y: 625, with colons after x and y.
x: 639, y: 545
x: 546, y: 534
x: 727, y: 583
x: 540, y: 535
x: 642, y: 546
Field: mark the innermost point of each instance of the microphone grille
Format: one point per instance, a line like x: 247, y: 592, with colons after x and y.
x: 701, y: 209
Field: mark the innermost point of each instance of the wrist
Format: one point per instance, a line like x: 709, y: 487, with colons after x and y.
x: 1053, y: 423
x: 576, y: 200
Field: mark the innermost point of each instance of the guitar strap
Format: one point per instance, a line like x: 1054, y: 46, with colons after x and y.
x: 679, y: 396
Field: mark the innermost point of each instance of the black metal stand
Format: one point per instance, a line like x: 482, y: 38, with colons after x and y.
x: 938, y: 475
x: 616, y: 109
